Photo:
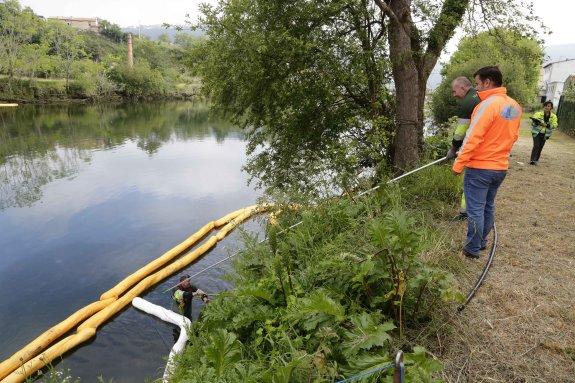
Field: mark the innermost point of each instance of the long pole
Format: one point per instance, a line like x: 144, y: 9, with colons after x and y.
x: 299, y: 223
x: 403, y: 175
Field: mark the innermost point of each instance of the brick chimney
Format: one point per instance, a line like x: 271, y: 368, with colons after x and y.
x: 130, y: 52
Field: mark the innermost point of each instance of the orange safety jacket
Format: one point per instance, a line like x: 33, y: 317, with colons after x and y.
x: 493, y: 130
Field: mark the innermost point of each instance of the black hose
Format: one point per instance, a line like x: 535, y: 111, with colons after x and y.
x: 484, y: 273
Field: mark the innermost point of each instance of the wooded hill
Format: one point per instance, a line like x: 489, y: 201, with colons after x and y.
x: 46, y: 60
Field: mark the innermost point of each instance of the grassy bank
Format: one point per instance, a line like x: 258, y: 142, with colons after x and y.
x: 137, y: 86
x: 358, y: 280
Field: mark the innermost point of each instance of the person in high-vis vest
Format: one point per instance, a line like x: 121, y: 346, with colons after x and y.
x: 484, y: 155
x: 467, y: 100
x: 184, y: 294
x: 542, y: 124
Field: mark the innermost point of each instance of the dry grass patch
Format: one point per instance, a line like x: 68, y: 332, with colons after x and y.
x: 521, y: 325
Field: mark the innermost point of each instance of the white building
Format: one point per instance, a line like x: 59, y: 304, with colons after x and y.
x: 553, y: 79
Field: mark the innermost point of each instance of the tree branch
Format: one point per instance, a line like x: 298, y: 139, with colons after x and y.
x: 387, y: 10
x: 452, y: 13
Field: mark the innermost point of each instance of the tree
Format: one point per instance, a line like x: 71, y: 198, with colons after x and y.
x: 66, y: 44
x: 164, y: 38
x: 309, y: 78
x: 306, y: 79
x: 17, y: 27
x: 518, y: 57
x: 112, y: 31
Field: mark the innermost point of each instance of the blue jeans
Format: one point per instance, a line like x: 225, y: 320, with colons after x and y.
x: 480, y: 187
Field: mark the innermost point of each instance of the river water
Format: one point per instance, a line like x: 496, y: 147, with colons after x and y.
x: 88, y: 194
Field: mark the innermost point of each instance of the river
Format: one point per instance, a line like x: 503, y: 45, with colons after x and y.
x: 88, y: 194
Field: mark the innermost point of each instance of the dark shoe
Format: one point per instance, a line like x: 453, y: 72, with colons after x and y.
x: 483, y: 248
x: 469, y: 255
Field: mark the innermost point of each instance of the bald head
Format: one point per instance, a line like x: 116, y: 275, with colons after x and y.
x: 460, y: 86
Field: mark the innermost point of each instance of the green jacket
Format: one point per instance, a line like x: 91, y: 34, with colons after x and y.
x: 464, y: 111
x: 543, y: 128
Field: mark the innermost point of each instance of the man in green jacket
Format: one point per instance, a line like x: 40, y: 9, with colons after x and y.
x: 467, y: 100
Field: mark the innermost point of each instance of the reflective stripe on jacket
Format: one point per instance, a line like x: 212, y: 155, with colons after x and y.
x: 493, y: 130
x: 465, y: 109
x: 536, y: 129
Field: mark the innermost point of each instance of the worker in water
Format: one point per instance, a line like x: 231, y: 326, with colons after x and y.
x: 542, y: 124
x: 467, y: 100
x: 484, y: 155
x: 184, y: 293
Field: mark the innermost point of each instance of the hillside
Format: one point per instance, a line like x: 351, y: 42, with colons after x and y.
x: 153, y: 32
x: 45, y: 60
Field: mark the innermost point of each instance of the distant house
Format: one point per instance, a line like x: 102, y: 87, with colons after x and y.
x: 82, y: 23
x: 553, y: 79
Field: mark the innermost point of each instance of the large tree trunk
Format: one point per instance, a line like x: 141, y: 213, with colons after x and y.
x: 411, y: 65
x: 407, y: 88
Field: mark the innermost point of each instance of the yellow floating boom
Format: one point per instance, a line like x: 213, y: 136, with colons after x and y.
x: 36, y: 355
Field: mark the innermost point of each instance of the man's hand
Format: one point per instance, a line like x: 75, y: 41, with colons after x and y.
x: 454, y: 172
x: 451, y: 154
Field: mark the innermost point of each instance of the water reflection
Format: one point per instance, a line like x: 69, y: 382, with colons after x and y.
x: 88, y: 194
x: 39, y: 144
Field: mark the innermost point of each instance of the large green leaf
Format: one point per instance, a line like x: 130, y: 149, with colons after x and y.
x: 224, y: 351
x: 319, y: 307
x: 365, y: 334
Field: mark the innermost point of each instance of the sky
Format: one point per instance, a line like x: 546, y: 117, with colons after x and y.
x: 123, y: 12
x: 557, y: 14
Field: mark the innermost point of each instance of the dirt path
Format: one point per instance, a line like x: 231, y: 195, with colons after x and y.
x: 521, y: 325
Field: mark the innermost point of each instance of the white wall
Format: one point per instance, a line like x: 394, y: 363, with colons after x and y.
x: 554, y: 76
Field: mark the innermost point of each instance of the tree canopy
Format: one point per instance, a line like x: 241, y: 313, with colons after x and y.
x: 518, y: 57
x: 320, y: 86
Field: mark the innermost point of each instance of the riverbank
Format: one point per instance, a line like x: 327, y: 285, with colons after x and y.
x: 357, y: 280
x: 57, y: 91
x: 519, y: 327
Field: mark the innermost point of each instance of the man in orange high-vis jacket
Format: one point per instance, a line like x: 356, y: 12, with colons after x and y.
x: 493, y: 130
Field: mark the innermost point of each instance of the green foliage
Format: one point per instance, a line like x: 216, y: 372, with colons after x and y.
x: 112, y: 31
x: 141, y: 81
x: 306, y: 82
x: 566, y: 114
x: 17, y: 27
x: 434, y: 193
x: 519, y: 59
x: 366, y: 333
x: 326, y: 300
x: 32, y: 47
x: 223, y: 352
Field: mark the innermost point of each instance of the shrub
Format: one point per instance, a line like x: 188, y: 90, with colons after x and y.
x: 141, y: 81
